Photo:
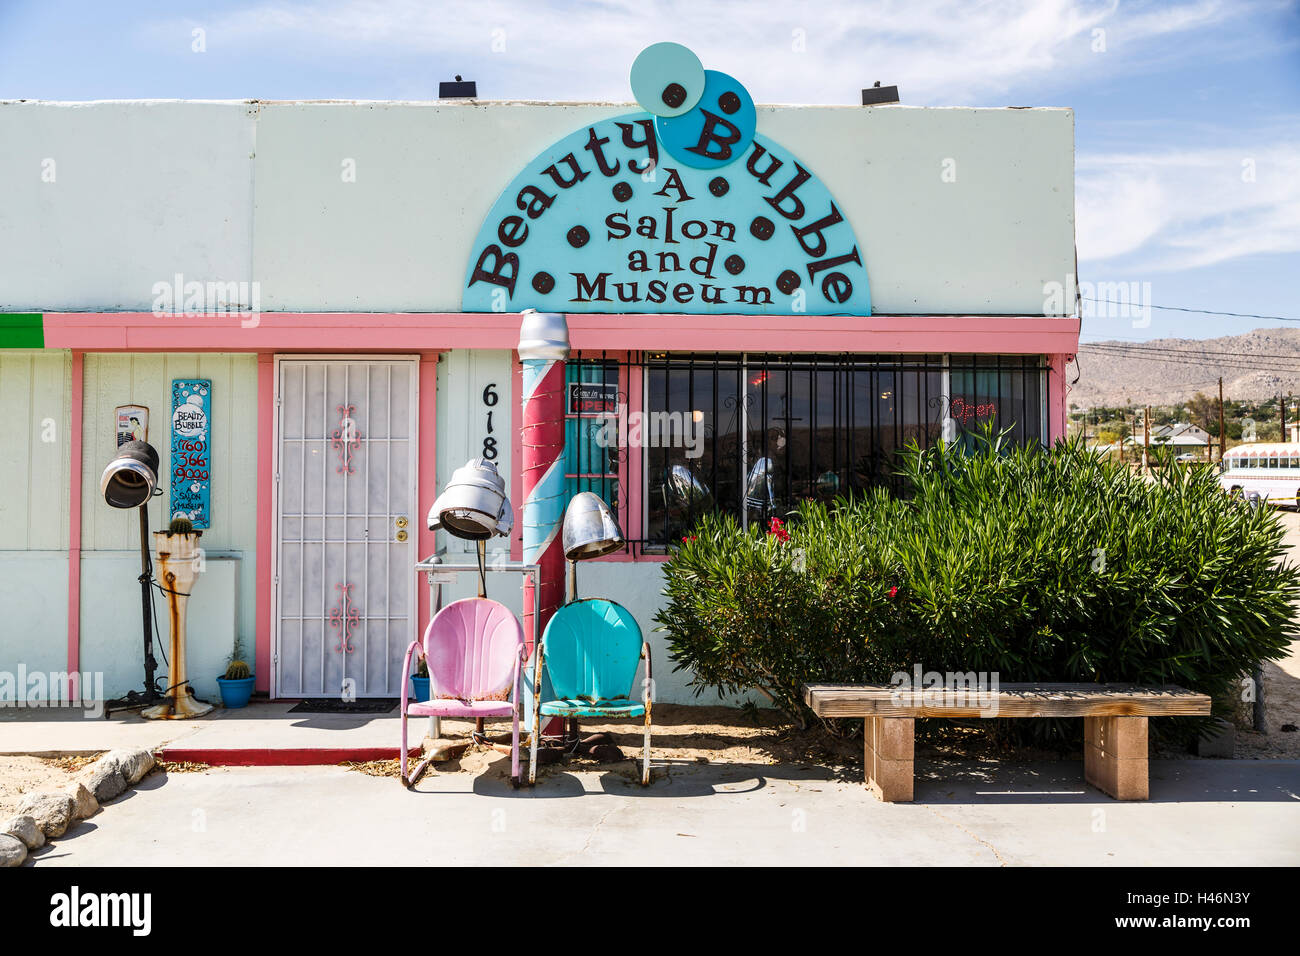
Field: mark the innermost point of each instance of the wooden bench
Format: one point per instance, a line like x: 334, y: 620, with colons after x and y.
x: 1114, y: 721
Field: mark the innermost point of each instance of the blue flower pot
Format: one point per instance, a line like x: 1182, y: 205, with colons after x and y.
x: 235, y: 693
x: 420, y: 688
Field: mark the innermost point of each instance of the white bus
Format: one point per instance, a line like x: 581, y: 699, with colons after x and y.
x: 1269, y: 470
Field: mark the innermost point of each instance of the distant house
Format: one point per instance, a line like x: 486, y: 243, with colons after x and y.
x: 1181, y: 436
x: 1185, y: 436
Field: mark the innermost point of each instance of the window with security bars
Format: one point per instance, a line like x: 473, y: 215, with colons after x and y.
x: 753, y: 434
x: 594, y: 449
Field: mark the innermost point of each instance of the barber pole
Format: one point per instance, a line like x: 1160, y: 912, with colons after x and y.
x: 543, y: 350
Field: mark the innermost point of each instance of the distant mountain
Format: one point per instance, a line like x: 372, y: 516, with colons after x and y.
x: 1170, y: 371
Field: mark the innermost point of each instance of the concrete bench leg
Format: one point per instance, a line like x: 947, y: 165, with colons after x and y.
x: 1115, y: 756
x: 889, y: 754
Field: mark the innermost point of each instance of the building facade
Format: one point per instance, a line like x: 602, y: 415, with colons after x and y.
x: 336, y: 286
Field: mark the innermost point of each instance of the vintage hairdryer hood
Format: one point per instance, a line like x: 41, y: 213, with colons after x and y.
x: 590, y: 529
x: 130, y: 478
x: 474, y: 505
x: 687, y: 489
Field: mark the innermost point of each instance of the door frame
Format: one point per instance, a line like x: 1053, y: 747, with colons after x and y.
x: 414, y: 360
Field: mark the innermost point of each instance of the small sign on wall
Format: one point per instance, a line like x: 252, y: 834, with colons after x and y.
x: 191, y: 485
x: 132, y: 423
x: 593, y: 398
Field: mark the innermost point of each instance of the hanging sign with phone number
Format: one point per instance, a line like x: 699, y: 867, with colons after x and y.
x: 191, y: 484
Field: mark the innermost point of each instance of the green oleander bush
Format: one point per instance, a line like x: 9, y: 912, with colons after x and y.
x: 1039, y: 565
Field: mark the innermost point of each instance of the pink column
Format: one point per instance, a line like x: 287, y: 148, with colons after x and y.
x: 265, y: 516
x: 543, y: 349
x: 1056, y: 403
x: 74, y: 515
x: 426, y: 540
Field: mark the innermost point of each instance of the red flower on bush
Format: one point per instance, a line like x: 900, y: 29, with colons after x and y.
x: 776, y: 529
x: 690, y: 537
x: 893, y: 592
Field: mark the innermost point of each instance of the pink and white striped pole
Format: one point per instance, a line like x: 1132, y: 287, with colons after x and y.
x: 543, y: 350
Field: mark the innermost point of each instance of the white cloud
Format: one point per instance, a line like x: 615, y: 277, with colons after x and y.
x: 941, y: 51
x: 1159, y: 210
x: 1182, y: 209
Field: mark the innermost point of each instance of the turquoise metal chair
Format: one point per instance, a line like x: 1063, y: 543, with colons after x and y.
x: 591, y: 650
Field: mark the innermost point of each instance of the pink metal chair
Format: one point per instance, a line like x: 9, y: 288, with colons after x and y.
x: 475, y: 650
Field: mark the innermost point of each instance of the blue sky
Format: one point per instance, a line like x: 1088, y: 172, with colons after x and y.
x: 1187, y: 113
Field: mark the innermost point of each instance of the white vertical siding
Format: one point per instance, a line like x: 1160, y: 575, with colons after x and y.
x: 110, y: 538
x: 35, y: 398
x: 35, y: 394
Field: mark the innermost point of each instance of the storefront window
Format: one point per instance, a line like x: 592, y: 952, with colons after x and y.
x: 751, y: 435
x: 1004, y: 390
x: 593, y: 450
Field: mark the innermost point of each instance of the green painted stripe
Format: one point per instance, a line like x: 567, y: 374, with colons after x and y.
x: 22, y: 330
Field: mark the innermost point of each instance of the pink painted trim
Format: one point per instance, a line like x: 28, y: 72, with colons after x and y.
x: 516, y: 454
x: 76, y: 412
x: 427, y: 479
x: 407, y: 331
x: 1056, y: 403
x: 265, y: 518
x: 635, y: 461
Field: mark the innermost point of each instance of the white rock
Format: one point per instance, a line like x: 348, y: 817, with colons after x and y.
x: 12, y: 850
x: 84, y: 803
x: 25, y: 829
x: 133, y: 764
x: 103, y: 779
x: 51, y: 811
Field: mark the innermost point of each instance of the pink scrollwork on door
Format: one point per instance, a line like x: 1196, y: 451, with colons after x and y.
x: 346, y: 439
x: 345, y: 617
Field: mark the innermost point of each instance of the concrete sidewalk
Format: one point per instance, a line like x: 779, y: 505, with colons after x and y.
x: 262, y: 725
x: 1202, y: 813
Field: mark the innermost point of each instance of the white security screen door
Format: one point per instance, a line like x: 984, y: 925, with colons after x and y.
x: 345, y: 526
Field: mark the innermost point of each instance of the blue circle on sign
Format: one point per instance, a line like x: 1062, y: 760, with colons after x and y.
x: 718, y: 131
x: 667, y: 79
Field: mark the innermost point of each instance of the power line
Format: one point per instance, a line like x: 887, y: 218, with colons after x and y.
x: 1254, y: 357
x: 1191, y: 359
x: 1175, y: 308
x: 1197, y: 352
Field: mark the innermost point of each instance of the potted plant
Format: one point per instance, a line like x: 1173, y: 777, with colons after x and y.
x: 420, y: 681
x: 237, y: 683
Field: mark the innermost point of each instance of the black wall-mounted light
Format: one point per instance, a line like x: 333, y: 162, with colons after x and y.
x: 458, y: 89
x: 878, y: 95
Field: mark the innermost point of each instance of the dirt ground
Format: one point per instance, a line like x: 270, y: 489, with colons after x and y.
x: 685, y: 735
x: 22, y: 775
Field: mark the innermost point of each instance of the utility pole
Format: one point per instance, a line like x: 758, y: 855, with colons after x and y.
x: 1146, y: 440
x: 1223, y: 435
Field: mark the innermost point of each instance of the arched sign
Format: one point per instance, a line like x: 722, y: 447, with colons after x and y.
x: 682, y: 208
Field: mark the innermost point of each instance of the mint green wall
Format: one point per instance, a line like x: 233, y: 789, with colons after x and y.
x: 35, y: 393
x: 224, y: 599
x: 35, y: 396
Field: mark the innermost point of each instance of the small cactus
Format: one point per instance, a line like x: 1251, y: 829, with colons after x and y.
x: 180, y: 526
x: 238, y: 670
